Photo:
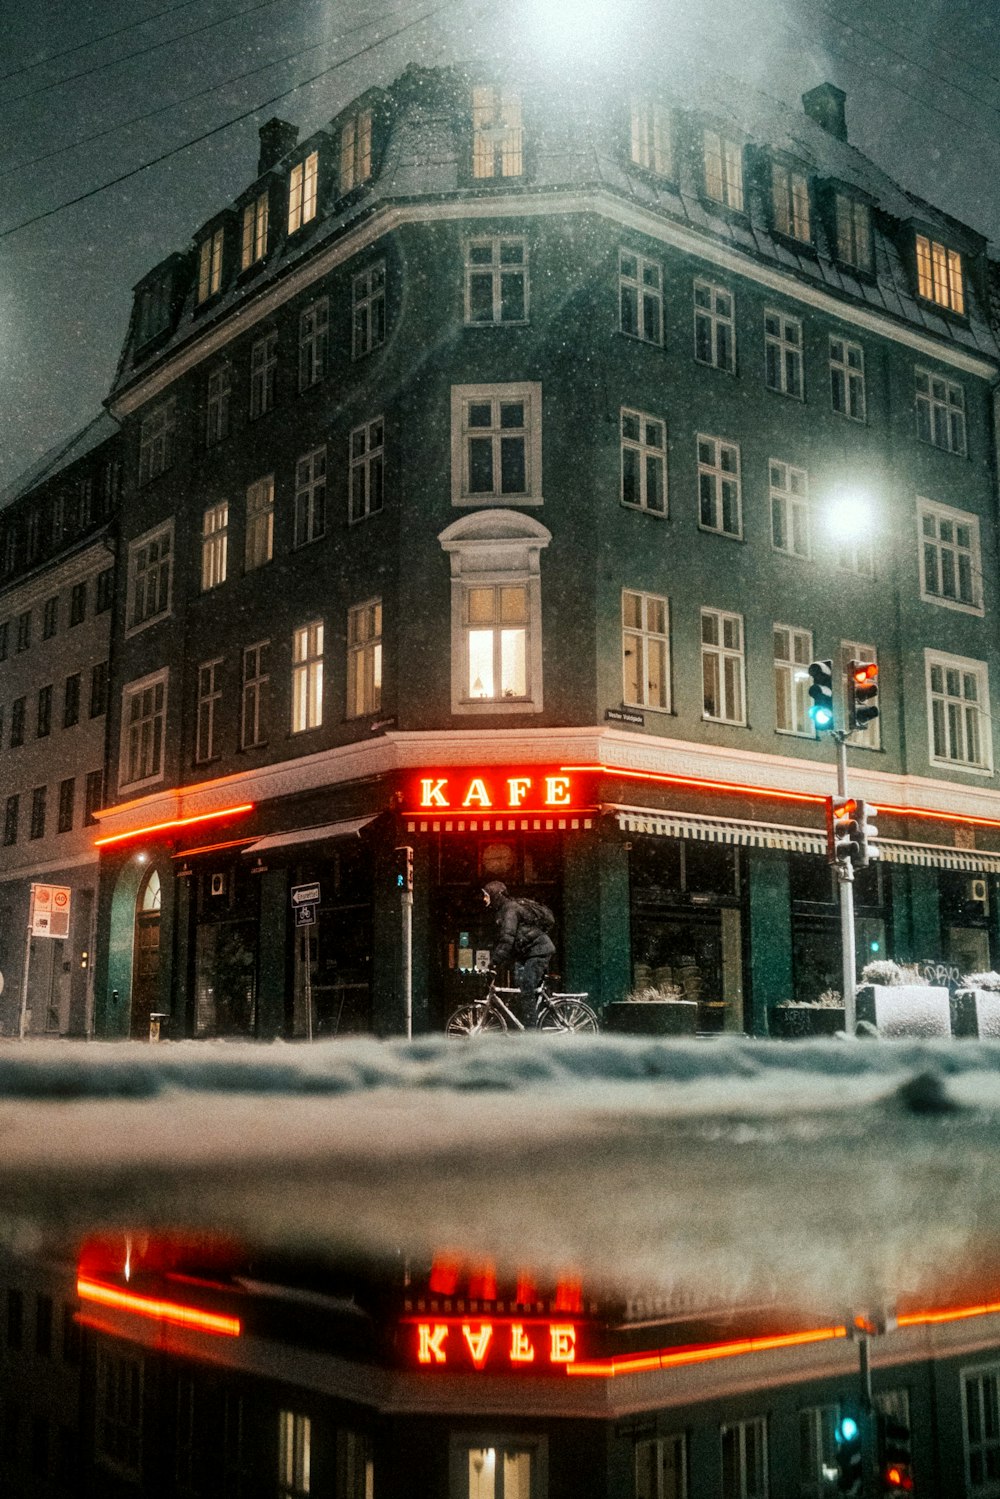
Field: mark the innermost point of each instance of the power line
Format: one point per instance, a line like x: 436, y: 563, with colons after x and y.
x: 102, y: 36
x: 218, y: 129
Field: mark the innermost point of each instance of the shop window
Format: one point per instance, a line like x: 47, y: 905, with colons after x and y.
x: 817, y: 1449
x: 501, y: 1468
x: 294, y: 1455
x: 661, y: 1468
x: 744, y: 1459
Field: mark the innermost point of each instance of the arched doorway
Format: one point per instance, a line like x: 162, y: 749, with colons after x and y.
x: 145, y: 956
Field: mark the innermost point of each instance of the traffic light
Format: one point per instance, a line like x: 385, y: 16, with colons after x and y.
x: 869, y: 849
x: 402, y: 867
x: 895, y: 1458
x: 843, y: 831
x: 862, y: 694
x: 821, y: 693
x: 849, y: 1459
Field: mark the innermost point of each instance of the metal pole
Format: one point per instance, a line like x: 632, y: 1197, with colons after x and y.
x: 23, y: 1012
x: 407, y: 907
x: 845, y: 876
x: 309, y: 986
x: 869, y: 1460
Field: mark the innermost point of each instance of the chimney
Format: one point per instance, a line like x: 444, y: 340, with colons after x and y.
x: 277, y: 138
x: 825, y: 105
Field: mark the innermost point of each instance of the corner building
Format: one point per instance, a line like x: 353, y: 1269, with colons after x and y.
x: 484, y: 458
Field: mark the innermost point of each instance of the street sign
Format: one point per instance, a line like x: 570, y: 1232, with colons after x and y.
x: 48, y: 914
x: 305, y: 916
x: 305, y: 895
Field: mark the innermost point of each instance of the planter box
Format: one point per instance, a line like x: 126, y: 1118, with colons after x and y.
x: 791, y: 1022
x: 914, y: 1011
x: 652, y: 1017
x: 975, y: 1012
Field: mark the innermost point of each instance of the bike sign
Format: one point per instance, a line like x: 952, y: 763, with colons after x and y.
x: 48, y: 914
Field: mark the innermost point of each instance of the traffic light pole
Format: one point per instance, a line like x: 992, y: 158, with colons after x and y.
x: 845, y: 875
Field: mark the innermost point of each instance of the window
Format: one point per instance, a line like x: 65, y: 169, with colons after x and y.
x: 959, y: 707
x: 111, y: 486
x: 722, y: 666
x: 870, y: 737
x: 496, y: 279
x: 156, y: 440
x: 15, y: 1318
x: 939, y: 274
x: 214, y: 545
x: 723, y: 170
x: 950, y: 561
x: 105, y: 590
x: 367, y: 469
x: 940, y: 407
x: 744, y: 1459
x: 294, y: 1455
x: 310, y: 497
x: 644, y: 462
x: 50, y: 617
x: 356, y: 1464
x: 210, y: 265
x: 10, y: 815
x: 307, y: 677
x: 491, y: 1469
x: 255, y: 695
x: 209, y: 697
x: 790, y: 202
x: 153, y: 306
x: 118, y: 1410
x: 18, y: 710
x: 792, y: 655
x: 98, y: 689
x: 640, y: 297
x: 37, y: 825
x: 67, y: 796
x: 144, y: 707
x: 24, y: 631
x: 497, y: 133
x: 217, y: 405
x: 714, y: 326
x: 645, y: 651
x: 496, y: 437
x: 259, y: 541
x: 720, y: 505
x: 790, y: 527
x: 661, y: 1468
x: 817, y: 1448
x: 854, y: 232
x: 253, y: 246
x: 43, y: 724
x: 981, y: 1413
x: 856, y: 554
x: 356, y: 150
x: 263, y: 368
x: 93, y: 799
x: 313, y: 333
x: 368, y: 310
x: 650, y: 137
x: 4, y: 640
x: 783, y: 354
x: 78, y: 603
x: 496, y: 641
x: 364, y: 659
x: 85, y: 502
x: 302, y: 187
x: 847, y: 378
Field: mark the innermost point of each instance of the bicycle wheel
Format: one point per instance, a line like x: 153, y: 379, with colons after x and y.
x: 568, y: 1015
x: 473, y: 1020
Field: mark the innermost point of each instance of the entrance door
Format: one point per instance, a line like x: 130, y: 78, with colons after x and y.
x: 146, y: 958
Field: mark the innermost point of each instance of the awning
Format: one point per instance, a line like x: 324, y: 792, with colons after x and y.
x: 935, y: 856
x: 322, y: 834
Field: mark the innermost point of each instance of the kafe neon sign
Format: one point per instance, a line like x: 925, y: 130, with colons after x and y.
x: 495, y: 791
x: 494, y: 1344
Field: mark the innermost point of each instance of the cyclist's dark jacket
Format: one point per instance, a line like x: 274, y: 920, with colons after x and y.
x: 517, y: 933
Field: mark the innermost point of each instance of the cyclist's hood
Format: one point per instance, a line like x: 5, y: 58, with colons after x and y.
x: 495, y: 892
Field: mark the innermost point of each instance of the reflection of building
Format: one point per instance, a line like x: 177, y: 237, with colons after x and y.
x: 493, y: 433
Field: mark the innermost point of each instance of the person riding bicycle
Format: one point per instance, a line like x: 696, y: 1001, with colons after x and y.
x: 519, y: 937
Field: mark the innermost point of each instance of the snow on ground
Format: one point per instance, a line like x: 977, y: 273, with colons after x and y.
x: 837, y: 1174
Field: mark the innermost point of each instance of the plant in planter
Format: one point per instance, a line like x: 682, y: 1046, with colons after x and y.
x: 893, y: 975
x: 652, y: 1010
x: 900, y: 1002
x: 817, y: 1017
x: 975, y: 1005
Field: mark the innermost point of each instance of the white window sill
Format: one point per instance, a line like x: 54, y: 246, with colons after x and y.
x: 955, y: 604
x: 467, y: 501
x: 145, y: 624
x: 962, y: 767
x: 497, y: 705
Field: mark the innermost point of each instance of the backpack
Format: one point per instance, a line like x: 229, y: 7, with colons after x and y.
x: 537, y: 914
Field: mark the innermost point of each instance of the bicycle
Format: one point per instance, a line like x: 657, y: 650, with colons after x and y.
x: 566, y: 1013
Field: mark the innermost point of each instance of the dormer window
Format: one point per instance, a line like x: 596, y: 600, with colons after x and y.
x: 790, y: 202
x: 723, y: 171
x: 302, y: 190
x: 356, y: 150
x: 210, y: 265
x: 497, y: 133
x: 651, y: 146
x: 254, y: 244
x: 154, y: 308
x: 854, y: 232
x: 939, y: 274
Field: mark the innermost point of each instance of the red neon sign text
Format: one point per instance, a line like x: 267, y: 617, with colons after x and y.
x: 497, y: 1343
x: 501, y: 793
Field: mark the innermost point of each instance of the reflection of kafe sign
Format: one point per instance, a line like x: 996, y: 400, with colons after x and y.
x: 944, y: 975
x: 49, y: 911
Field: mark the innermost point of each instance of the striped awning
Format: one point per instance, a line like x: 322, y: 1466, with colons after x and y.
x: 936, y: 856
x: 721, y: 830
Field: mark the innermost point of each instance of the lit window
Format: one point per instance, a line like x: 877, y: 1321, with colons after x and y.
x: 496, y: 443
x: 650, y: 137
x: 255, y: 694
x: 217, y: 405
x: 790, y: 517
x: 497, y: 133
x: 661, y: 1468
x: 645, y: 651
x: 792, y: 655
x: 214, y: 545
x: 367, y: 469
x: 640, y: 297
x: 356, y: 150
x: 783, y: 354
x: 302, y: 185
x: 144, y: 706
x: 958, y: 700
x: 939, y: 274
x: 790, y: 202
x: 259, y: 543
x: 723, y: 170
x: 870, y: 737
x: 254, y: 242
x: 313, y: 334
x: 307, y: 677
x: 294, y: 1455
x: 744, y: 1459
x: 644, y: 462
x: 720, y: 505
x: 940, y: 407
x: 497, y: 628
x: 210, y: 265
x: 150, y: 565
x: 364, y: 658
x: 847, y: 378
x: 950, y: 560
x: 368, y: 310
x: 310, y: 497
x: 209, y: 697
x: 714, y: 326
x: 496, y: 279
x: 854, y: 232
x: 156, y: 440
x: 722, y: 666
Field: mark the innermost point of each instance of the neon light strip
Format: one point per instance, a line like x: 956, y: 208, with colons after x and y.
x: 957, y: 1314
x: 165, y: 1311
x: 177, y: 822
x: 703, y: 1352
x: 442, y: 814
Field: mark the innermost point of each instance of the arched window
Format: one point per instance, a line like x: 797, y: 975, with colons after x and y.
x: 150, y: 898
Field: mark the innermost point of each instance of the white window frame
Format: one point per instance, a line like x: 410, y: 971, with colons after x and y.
x: 791, y: 680
x: 646, y: 642
x: 788, y: 496
x: 214, y: 545
x: 856, y: 554
x: 650, y: 456
x: 155, y: 749
x: 218, y: 390
x: 255, y: 679
x: 640, y: 287
x: 750, y: 1485
x: 355, y: 150
x: 294, y: 1455
x: 854, y: 232
x: 870, y: 737
x: 302, y: 191
x: 309, y: 520
x: 157, y: 434
x: 307, y: 677
x: 209, y: 697
x: 210, y: 265
x: 714, y: 326
x: 258, y: 541
x: 784, y: 365
x: 713, y: 476
x: 790, y: 202
x: 495, y: 548
x: 650, y: 136
x: 990, y: 1487
x: 253, y: 241
x: 729, y: 670
x: 964, y: 666
x: 939, y: 274
x: 650, y: 1471
x: 461, y: 1444
x: 364, y: 658
x: 723, y: 174
x: 817, y: 1445
x: 497, y: 133
x: 463, y: 397
x: 366, y: 482
x: 847, y: 378
x: 163, y: 564
x: 368, y: 310
x: 498, y: 272
x: 263, y: 371
x: 314, y: 335
x: 939, y: 404
x: 949, y: 556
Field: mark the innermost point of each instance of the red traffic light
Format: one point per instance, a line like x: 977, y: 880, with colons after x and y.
x: 898, y: 1479
x: 865, y: 673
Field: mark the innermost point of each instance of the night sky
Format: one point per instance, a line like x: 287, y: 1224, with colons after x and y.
x: 922, y: 79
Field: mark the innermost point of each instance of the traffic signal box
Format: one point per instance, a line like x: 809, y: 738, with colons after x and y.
x: 402, y: 867
x: 894, y: 1458
x: 862, y: 694
x: 821, y: 693
x: 850, y: 1460
x: 851, y: 831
